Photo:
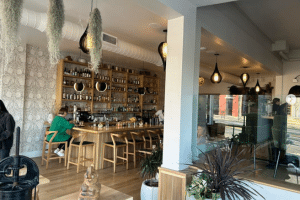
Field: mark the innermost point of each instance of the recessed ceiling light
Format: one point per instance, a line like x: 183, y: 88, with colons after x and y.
x: 155, y: 25
x: 203, y: 48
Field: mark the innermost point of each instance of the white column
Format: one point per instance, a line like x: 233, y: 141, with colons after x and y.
x: 181, y: 91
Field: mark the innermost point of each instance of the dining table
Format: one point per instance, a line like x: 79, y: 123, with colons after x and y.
x: 101, y: 135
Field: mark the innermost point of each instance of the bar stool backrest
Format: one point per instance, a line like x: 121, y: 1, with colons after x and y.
x: 49, y: 132
x: 122, y: 136
x: 138, y: 134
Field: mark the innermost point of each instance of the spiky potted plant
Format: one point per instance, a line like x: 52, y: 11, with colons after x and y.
x: 149, y: 169
x: 220, y: 170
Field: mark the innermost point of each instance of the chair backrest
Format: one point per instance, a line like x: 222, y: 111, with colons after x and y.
x: 137, y: 134
x: 122, y: 136
x: 53, y: 136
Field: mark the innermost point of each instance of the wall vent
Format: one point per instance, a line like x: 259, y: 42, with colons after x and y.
x: 110, y: 39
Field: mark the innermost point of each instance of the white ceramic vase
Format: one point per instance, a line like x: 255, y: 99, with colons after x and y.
x: 148, y: 192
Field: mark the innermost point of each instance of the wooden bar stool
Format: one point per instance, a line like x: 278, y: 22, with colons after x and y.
x: 50, y: 155
x: 116, y: 145
x: 138, y: 138
x: 149, y: 139
x: 81, y: 151
x: 155, y: 135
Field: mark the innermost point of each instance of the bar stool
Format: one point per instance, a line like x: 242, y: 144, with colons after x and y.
x: 135, y: 141
x: 156, y: 137
x: 81, y: 151
x: 50, y: 144
x: 149, y: 139
x: 116, y: 145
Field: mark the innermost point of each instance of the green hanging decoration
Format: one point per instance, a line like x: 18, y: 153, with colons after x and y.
x: 10, y: 12
x: 55, y: 23
x: 94, y: 38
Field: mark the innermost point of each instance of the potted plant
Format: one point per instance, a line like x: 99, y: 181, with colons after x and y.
x: 149, y: 167
x: 217, y: 177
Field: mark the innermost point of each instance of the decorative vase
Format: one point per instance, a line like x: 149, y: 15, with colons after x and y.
x: 149, y: 192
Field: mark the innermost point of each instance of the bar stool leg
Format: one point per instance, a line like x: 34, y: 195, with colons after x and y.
x: 124, y: 154
x: 48, y: 155
x: 102, y: 157
x: 94, y: 151
x: 69, y: 156
x: 115, y: 158
x: 43, y: 153
x: 79, y: 156
x: 83, y: 154
x: 127, y: 157
x: 66, y: 153
x: 134, y: 155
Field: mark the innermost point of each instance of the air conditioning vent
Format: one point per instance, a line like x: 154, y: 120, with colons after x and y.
x: 110, y: 39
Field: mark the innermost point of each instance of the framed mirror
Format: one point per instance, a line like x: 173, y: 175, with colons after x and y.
x: 79, y: 87
x: 101, y: 86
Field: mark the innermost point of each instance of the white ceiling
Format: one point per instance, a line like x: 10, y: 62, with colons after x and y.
x: 123, y: 19
x: 230, y: 60
x: 199, y: 3
x: 278, y: 19
x: 130, y: 22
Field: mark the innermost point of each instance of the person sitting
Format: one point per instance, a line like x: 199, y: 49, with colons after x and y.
x: 60, y: 124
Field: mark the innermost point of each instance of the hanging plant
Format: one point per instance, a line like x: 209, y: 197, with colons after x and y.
x: 94, y: 41
x: 55, y: 23
x: 10, y: 12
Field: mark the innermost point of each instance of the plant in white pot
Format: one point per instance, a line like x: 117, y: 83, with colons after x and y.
x: 149, y: 167
x: 217, y: 177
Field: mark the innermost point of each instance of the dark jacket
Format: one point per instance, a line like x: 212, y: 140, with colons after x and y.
x: 7, y: 128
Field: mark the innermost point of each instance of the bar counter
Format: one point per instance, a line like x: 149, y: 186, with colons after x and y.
x: 100, y: 135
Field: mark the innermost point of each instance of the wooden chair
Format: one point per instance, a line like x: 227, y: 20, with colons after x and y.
x: 81, y: 151
x: 50, y: 145
x: 116, y: 145
x: 155, y: 136
x: 138, y: 138
x: 149, y: 139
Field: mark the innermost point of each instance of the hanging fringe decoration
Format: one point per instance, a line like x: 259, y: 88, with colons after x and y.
x: 55, y: 23
x: 10, y: 12
x: 94, y: 40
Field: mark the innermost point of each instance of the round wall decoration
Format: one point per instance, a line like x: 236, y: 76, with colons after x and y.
x: 201, y: 81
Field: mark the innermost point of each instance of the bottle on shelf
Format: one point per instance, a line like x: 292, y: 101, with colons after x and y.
x: 64, y: 95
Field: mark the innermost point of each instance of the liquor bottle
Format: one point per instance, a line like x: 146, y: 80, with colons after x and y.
x: 65, y: 82
x: 75, y: 72
x: 64, y: 95
x: 65, y: 71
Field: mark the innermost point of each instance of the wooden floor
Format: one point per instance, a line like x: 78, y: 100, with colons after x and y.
x: 63, y: 181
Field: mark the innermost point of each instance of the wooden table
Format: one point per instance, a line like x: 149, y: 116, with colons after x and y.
x: 103, y: 135
x: 105, y: 193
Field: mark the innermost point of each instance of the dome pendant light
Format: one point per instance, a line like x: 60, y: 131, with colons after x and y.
x: 216, y: 76
x: 163, y: 51
x: 257, y: 87
x: 84, y: 42
x: 245, y: 78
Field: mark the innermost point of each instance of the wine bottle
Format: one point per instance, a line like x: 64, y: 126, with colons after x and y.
x: 64, y: 95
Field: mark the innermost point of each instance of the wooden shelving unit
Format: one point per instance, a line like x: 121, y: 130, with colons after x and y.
x: 145, y: 81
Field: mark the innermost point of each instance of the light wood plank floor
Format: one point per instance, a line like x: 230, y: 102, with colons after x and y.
x: 63, y: 181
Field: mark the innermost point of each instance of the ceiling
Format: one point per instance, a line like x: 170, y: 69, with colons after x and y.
x: 129, y: 21
x: 278, y: 19
x: 123, y: 19
x: 230, y: 60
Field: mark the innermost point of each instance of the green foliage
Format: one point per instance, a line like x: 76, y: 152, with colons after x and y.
x: 55, y: 23
x: 150, y: 164
x: 222, y: 166
x: 10, y: 15
x: 95, y: 37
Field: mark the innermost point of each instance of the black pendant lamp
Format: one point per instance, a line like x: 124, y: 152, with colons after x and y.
x: 245, y: 78
x: 83, y: 42
x: 163, y: 51
x: 216, y: 76
x: 257, y: 87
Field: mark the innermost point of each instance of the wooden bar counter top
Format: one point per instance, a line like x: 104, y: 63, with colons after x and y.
x: 100, y: 135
